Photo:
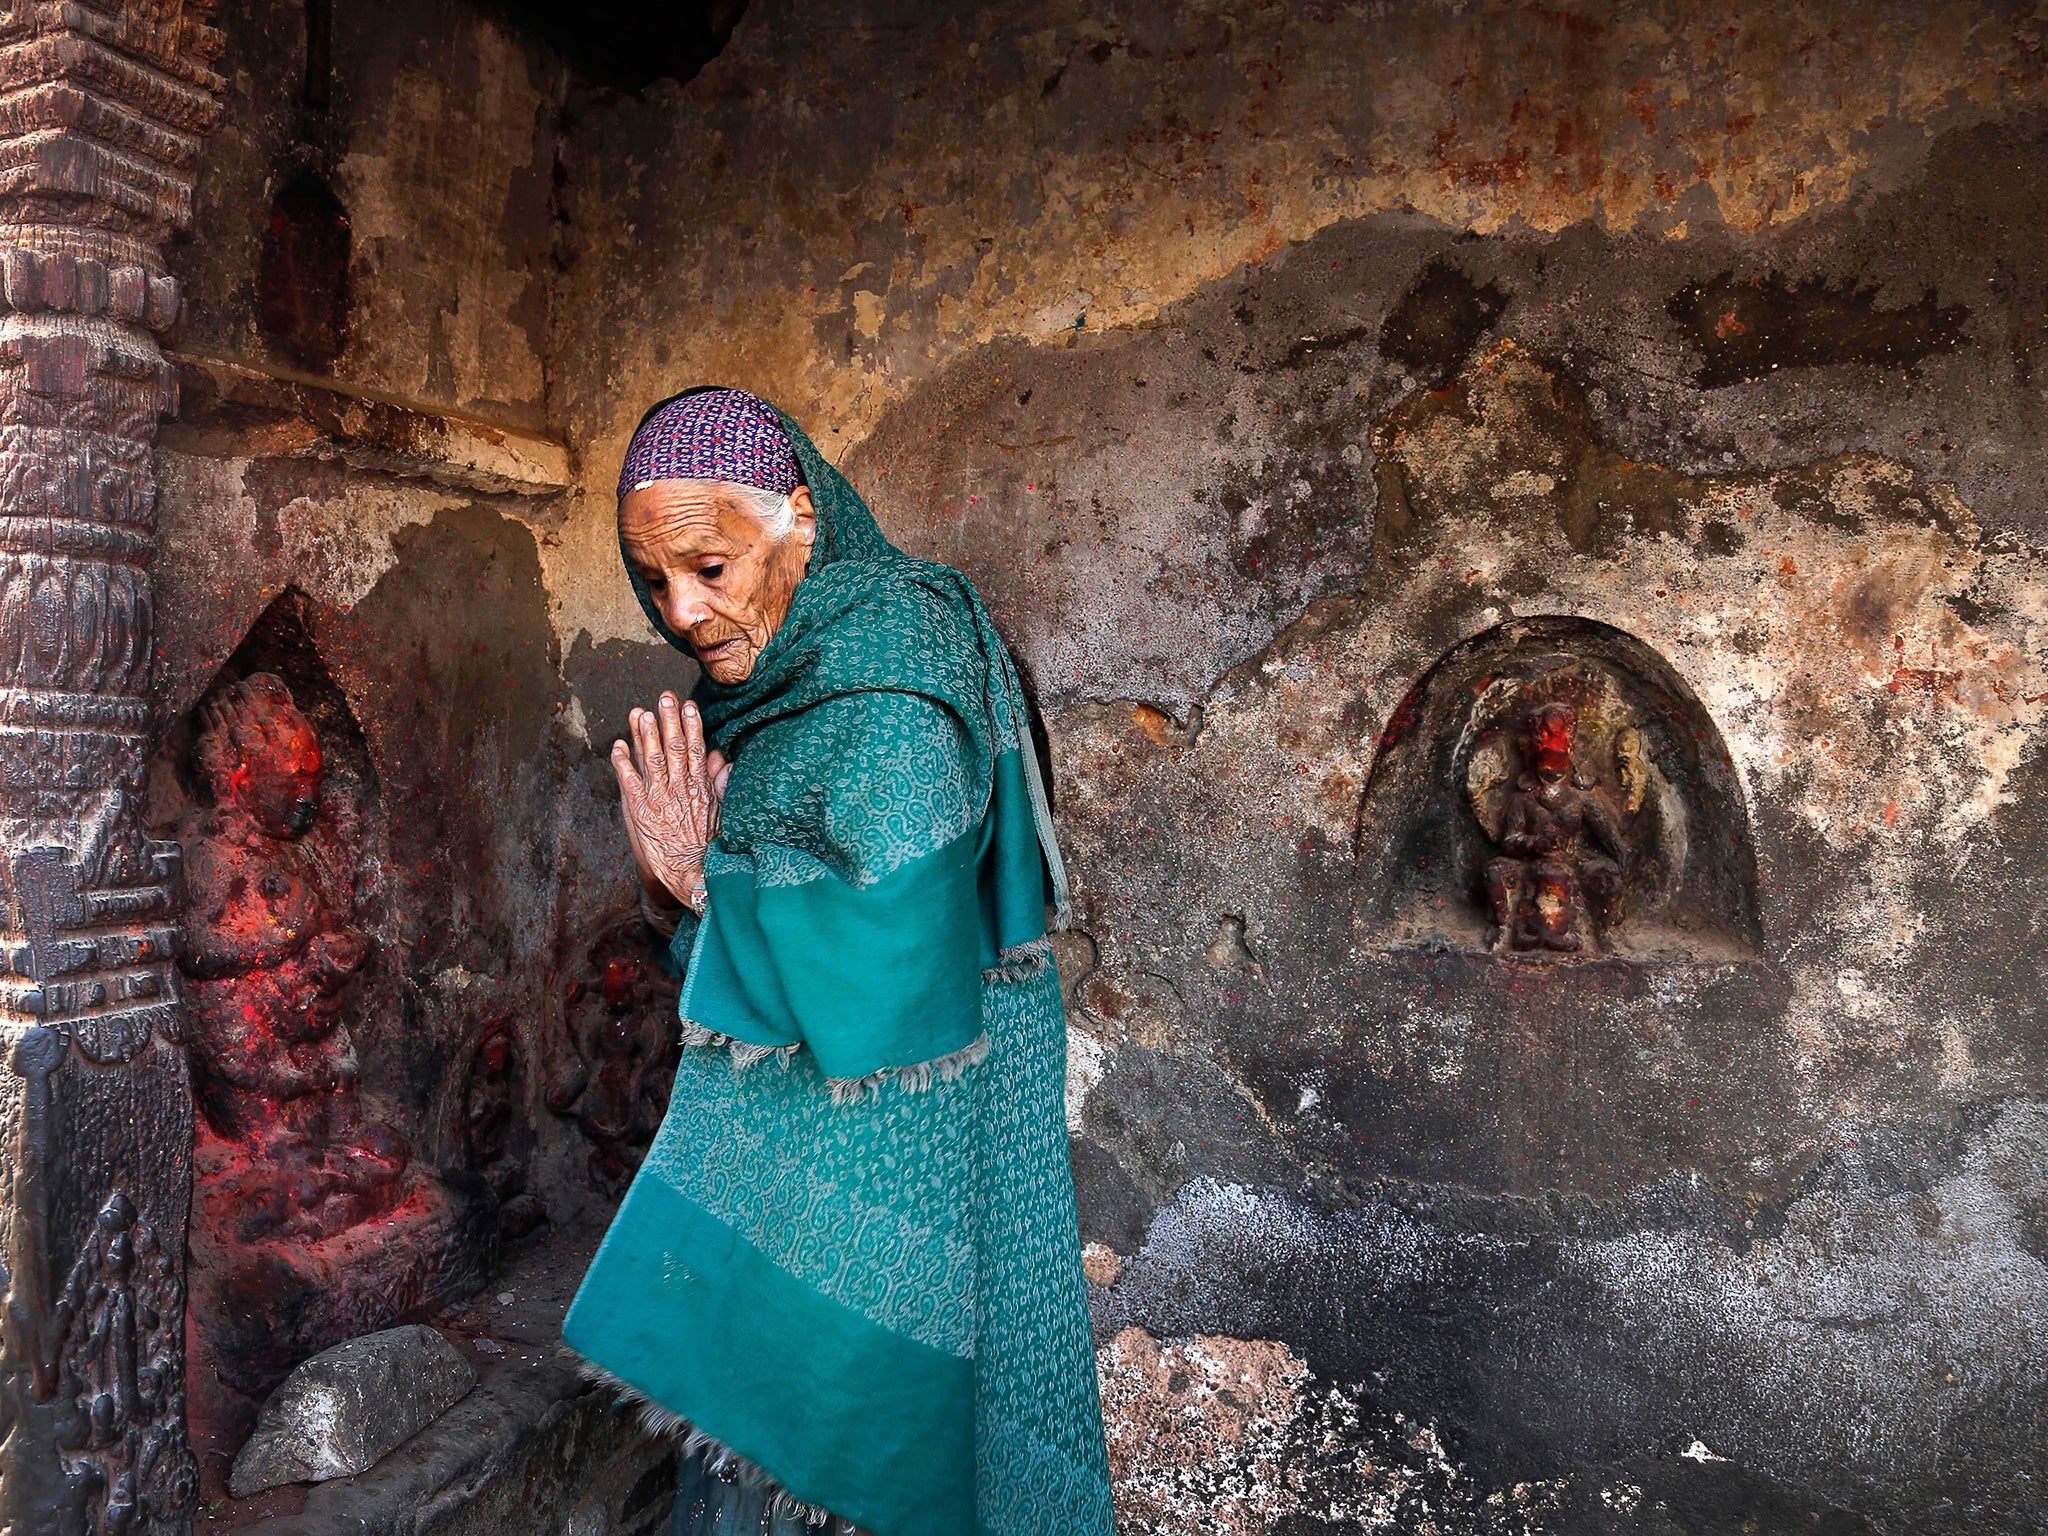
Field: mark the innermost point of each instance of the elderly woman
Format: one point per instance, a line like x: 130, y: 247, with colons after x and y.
x: 848, y: 1269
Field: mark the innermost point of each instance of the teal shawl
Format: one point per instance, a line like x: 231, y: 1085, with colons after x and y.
x: 849, y: 1261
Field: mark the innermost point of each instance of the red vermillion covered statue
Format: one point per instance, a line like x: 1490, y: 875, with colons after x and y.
x: 271, y: 956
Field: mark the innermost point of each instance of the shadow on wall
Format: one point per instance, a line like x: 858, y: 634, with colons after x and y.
x: 639, y: 42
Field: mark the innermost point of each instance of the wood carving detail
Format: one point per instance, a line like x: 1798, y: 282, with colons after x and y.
x: 104, y: 105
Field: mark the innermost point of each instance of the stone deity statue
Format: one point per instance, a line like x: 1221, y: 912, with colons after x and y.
x: 271, y: 954
x: 312, y: 1219
x: 618, y: 1055
x: 1557, y: 884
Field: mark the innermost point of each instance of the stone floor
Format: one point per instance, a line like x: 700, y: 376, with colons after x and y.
x: 530, y: 1450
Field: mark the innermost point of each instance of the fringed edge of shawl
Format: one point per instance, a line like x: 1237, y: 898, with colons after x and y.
x: 1021, y: 962
x: 743, y: 1054
x: 916, y: 1078
x: 719, y: 1458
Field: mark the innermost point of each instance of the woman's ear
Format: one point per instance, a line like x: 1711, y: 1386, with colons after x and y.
x: 806, y: 527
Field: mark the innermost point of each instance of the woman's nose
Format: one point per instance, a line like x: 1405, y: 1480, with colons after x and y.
x: 686, y: 611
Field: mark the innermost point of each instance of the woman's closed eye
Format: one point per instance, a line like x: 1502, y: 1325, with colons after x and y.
x: 712, y: 571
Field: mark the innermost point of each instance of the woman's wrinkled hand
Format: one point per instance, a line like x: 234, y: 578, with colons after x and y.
x: 670, y: 789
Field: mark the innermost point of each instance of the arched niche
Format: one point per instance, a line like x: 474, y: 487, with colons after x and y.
x: 1552, y: 792
x: 281, y: 641
x: 330, y: 1196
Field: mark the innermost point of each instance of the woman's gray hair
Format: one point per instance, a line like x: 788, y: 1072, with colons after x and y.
x: 775, y: 511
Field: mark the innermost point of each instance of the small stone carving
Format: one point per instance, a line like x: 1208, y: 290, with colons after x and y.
x: 347, y: 1407
x: 1558, y: 882
x: 271, y: 956
x: 496, y: 1128
x: 1551, y: 792
x: 623, y: 1043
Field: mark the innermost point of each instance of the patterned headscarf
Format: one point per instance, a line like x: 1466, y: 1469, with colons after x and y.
x: 712, y: 434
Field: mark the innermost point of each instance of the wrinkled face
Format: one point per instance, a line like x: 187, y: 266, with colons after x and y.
x: 718, y: 577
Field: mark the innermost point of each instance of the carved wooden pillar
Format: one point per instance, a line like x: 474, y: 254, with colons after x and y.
x: 103, y: 106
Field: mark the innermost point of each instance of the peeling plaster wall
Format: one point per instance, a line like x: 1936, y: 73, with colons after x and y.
x: 850, y: 197
x: 1251, y: 358
x: 439, y: 140
x: 1667, y: 1159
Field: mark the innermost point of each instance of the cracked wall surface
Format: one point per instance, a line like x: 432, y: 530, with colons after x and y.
x: 1253, y: 359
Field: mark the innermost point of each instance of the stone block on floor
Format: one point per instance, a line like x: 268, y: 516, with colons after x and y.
x: 341, y: 1411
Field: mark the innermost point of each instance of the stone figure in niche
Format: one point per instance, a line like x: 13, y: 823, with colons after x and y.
x: 1549, y: 792
x: 500, y: 1140
x: 271, y: 955
x: 1558, y: 882
x: 318, y: 1213
x: 622, y: 1047
x: 491, y: 1110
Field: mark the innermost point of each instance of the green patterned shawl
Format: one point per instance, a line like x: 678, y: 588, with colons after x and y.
x: 850, y: 1257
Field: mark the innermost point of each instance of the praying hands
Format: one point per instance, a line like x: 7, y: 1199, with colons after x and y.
x: 670, y: 789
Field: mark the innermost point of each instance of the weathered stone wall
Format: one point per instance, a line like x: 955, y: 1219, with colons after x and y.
x: 1254, y: 360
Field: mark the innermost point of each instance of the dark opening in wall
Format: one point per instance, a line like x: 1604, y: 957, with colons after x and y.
x: 637, y: 41
x: 305, y: 271
x: 319, y: 87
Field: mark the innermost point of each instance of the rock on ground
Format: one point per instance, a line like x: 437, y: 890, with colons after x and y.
x: 347, y: 1406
